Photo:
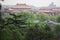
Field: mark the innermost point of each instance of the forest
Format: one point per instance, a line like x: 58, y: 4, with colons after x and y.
x: 29, y: 26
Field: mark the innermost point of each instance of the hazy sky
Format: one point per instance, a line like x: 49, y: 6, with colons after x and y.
x: 38, y: 3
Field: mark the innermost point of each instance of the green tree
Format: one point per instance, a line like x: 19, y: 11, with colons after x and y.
x: 57, y: 30
x: 42, y: 17
x: 40, y: 34
x: 58, y: 19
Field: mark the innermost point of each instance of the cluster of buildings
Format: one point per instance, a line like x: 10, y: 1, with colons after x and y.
x: 51, y: 9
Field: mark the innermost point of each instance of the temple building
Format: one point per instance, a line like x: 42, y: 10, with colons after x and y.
x: 20, y: 8
x: 51, y: 10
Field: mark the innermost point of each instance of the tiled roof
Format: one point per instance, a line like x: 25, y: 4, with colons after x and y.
x: 21, y: 6
x: 57, y: 9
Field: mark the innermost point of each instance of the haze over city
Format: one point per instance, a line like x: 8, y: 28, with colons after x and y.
x: 37, y: 3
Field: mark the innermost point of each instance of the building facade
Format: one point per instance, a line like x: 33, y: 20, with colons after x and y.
x: 51, y: 10
x: 20, y: 8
